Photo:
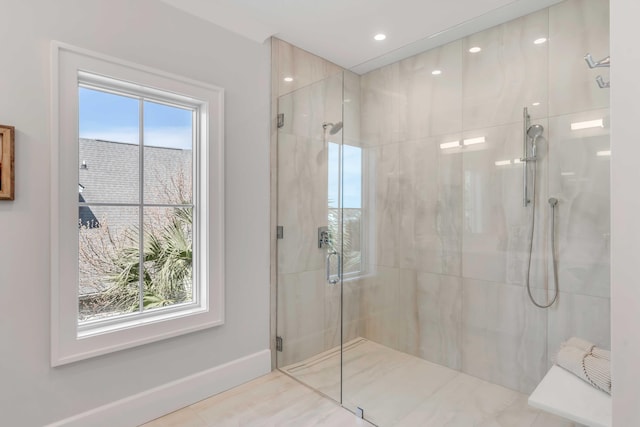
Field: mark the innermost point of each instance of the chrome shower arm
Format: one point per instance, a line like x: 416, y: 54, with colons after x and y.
x: 596, y: 64
x: 601, y: 83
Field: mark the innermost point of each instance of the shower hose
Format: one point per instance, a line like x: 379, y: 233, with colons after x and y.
x: 553, y: 203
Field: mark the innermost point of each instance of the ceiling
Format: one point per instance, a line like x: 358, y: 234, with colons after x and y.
x: 342, y: 30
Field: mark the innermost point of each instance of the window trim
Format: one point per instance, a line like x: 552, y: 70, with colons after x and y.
x: 67, y: 345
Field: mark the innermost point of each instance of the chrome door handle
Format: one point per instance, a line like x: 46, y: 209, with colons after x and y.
x: 336, y: 279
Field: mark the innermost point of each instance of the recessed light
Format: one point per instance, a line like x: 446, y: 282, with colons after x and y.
x: 288, y: 79
x: 452, y: 144
x: 471, y: 141
x: 540, y: 40
x: 502, y: 162
x: 436, y: 72
x: 604, y: 153
x: 379, y: 37
x: 588, y: 124
x: 535, y: 104
x: 475, y: 49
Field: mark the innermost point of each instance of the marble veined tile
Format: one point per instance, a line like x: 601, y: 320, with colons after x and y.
x: 509, y: 73
x: 302, y: 202
x: 406, y: 100
x: 301, y: 66
x: 383, y: 107
x: 307, y: 109
x: 577, y: 27
x: 430, y: 208
x: 383, y: 197
x: 301, y: 315
x: 433, y: 101
x: 503, y: 335
x: 379, y: 320
x: 496, y: 225
x: 396, y: 389
x: 464, y: 401
x: 273, y: 400
x: 431, y: 309
x: 581, y: 316
x: 579, y: 179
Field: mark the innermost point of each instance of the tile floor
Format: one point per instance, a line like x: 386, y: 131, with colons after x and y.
x: 271, y: 400
x: 395, y: 389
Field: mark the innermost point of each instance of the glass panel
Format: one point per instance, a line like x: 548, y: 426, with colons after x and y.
x: 168, y: 154
x: 168, y: 254
x: 108, y: 261
x: 309, y: 202
x: 352, y: 210
x: 108, y: 147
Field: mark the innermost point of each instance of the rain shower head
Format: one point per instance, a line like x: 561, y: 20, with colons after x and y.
x: 535, y: 131
x: 333, y: 127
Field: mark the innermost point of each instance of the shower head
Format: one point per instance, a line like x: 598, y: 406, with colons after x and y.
x: 535, y: 131
x: 334, y: 127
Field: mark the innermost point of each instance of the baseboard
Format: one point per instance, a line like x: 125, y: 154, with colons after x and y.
x: 151, y: 404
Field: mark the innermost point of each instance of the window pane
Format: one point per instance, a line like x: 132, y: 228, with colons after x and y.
x: 108, y: 261
x: 168, y: 246
x: 168, y: 154
x: 108, y: 147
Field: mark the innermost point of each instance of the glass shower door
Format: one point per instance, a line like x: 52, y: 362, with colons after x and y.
x: 309, y: 252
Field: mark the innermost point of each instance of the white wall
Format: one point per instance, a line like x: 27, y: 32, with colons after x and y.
x: 150, y: 33
x: 625, y: 205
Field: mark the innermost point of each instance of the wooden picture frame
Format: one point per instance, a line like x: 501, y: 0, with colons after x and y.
x: 7, y: 174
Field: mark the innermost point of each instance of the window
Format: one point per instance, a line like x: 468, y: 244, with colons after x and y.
x: 137, y: 214
x: 345, y: 190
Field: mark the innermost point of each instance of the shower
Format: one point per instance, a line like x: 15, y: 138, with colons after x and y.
x: 533, y: 133
x: 333, y: 127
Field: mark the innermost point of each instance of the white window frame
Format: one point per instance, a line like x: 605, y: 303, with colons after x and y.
x: 69, y: 342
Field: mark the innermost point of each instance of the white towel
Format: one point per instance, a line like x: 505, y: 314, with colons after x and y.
x: 594, y: 370
x: 589, y: 347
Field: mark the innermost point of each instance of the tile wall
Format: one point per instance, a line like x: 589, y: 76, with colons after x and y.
x: 448, y: 248
x: 445, y: 235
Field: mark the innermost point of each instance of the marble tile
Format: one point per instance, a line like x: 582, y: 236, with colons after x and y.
x: 581, y: 316
x: 519, y: 414
x: 405, y: 101
x: 382, y: 200
x: 579, y: 179
x: 503, y: 335
x: 379, y: 305
x: 273, y: 400
x: 301, y: 315
x: 352, y: 109
x: 383, y: 107
x: 430, y: 310
x: 306, y: 109
x: 464, y: 401
x: 185, y: 417
x: 577, y: 27
x: 302, y: 203
x: 433, y: 102
x: 396, y: 389
x: 351, y: 315
x: 303, y: 67
x: 496, y: 225
x: 430, y: 209
x: 508, y: 74
x: 548, y: 420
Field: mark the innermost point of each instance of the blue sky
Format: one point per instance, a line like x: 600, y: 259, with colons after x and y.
x: 352, y: 176
x: 116, y: 118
